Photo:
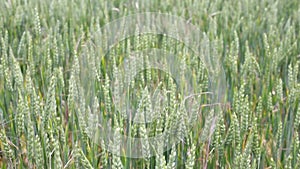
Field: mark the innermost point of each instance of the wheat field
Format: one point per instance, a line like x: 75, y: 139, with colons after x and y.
x: 57, y: 87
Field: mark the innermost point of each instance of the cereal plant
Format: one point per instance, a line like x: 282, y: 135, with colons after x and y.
x: 75, y: 92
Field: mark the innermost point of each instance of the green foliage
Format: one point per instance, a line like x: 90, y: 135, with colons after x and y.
x: 45, y: 123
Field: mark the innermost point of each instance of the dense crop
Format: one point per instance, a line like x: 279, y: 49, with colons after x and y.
x: 45, y: 121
